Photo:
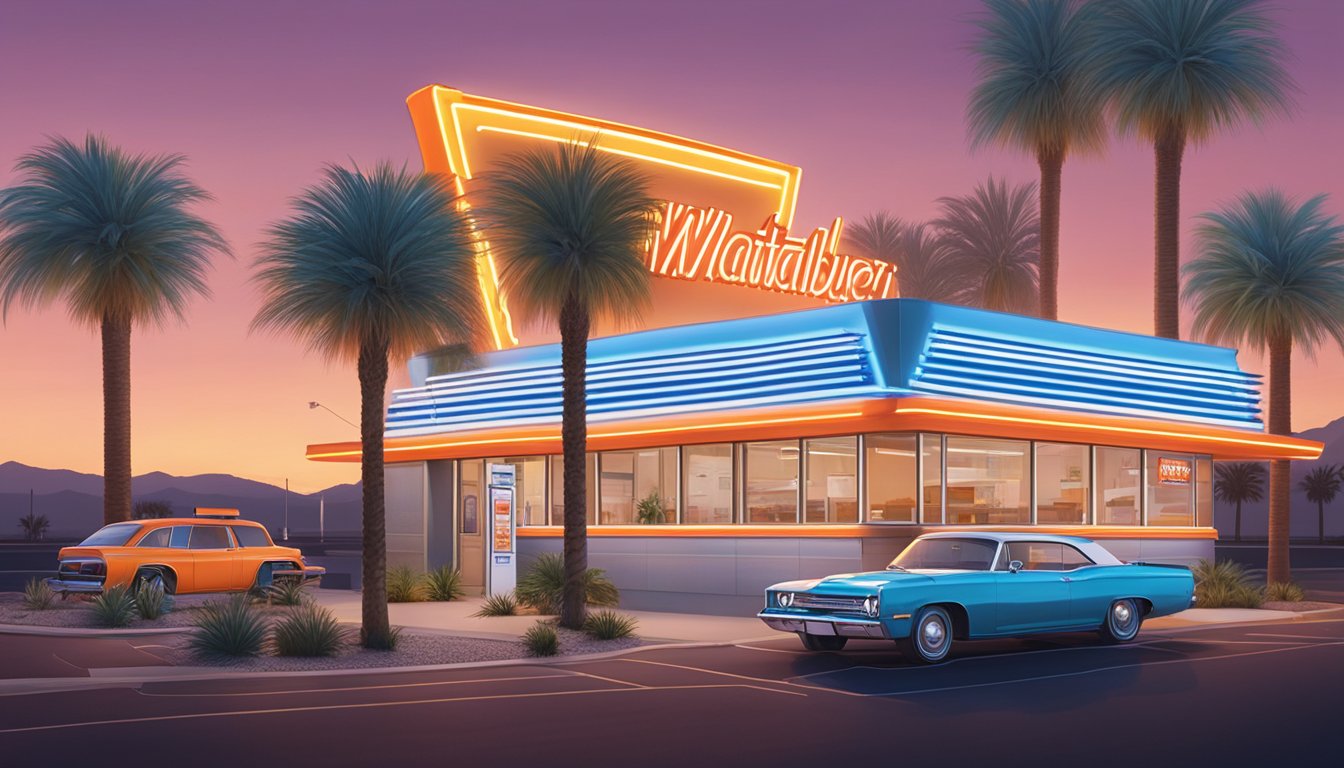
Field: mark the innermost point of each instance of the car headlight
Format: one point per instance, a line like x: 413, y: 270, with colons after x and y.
x: 870, y: 606
x: 784, y: 599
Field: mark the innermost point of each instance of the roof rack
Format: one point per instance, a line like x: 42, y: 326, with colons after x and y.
x: 218, y: 513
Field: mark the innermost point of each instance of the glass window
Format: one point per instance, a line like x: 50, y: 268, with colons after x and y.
x: 210, y: 537
x: 1118, y: 479
x: 558, y: 489
x: 1037, y: 555
x: 469, y: 496
x: 707, y: 477
x: 772, y: 481
x: 1204, y: 492
x: 832, y: 480
x: 952, y: 554
x: 1062, y: 473
x: 639, y: 487
x: 1171, y: 488
x: 931, y: 456
x: 114, y: 535
x: 155, y: 538
x: 178, y: 540
x: 987, y: 481
x: 1072, y: 558
x: 529, y: 489
x: 889, y: 469
x: 251, y: 536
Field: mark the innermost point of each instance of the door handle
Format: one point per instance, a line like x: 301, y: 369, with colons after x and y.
x: 1065, y: 578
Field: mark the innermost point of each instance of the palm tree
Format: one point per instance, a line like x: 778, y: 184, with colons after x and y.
x: 1321, y: 485
x: 113, y: 235
x: 569, y: 227
x: 370, y: 267
x: 923, y: 269
x: 1270, y: 274
x: 1239, y: 482
x: 1177, y: 72
x: 1037, y: 93
x: 992, y: 237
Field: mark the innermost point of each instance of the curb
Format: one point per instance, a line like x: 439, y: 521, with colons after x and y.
x: 24, y: 629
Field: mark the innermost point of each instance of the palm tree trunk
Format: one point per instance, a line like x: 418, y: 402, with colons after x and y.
x: 1169, y: 148
x: 1280, y: 423
x: 116, y: 419
x: 376, y: 630
x: 1236, y: 535
x: 574, y: 328
x: 1052, y: 166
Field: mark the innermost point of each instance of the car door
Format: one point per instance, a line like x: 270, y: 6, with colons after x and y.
x: 212, y: 555
x: 168, y: 546
x: 1035, y: 598
x: 1092, y: 587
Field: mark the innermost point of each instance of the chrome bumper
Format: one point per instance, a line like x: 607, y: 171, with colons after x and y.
x: 61, y: 585
x: 307, y: 573
x: 825, y: 625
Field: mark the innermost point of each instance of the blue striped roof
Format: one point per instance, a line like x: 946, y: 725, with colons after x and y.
x: 885, y: 348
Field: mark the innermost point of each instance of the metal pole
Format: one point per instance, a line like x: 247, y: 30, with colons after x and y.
x: 322, y: 518
x: 285, y: 530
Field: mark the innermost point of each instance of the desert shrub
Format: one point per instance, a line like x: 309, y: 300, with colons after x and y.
x: 1283, y: 592
x: 229, y: 627
x: 541, y: 640
x: 543, y: 586
x: 312, y: 630
x: 286, y: 592
x: 404, y: 585
x: 37, y: 596
x: 1224, y: 584
x: 609, y: 625
x: 150, y: 601
x: 651, y: 510
x: 443, y: 583
x: 115, y: 607
x: 498, y: 605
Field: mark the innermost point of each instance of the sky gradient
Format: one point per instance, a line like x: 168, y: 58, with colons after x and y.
x: 868, y: 98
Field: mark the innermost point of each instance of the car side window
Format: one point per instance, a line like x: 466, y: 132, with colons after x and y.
x: 1074, y: 559
x: 155, y: 538
x: 178, y: 539
x: 1001, y: 562
x: 1037, y: 555
x: 209, y: 537
x: 250, y: 536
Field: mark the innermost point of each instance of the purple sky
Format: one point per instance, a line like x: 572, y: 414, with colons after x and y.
x: 867, y: 97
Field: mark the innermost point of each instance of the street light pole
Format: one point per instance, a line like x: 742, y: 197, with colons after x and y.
x: 314, y: 404
x: 284, y: 532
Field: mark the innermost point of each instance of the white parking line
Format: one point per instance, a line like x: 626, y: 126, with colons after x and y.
x: 737, y: 677
x: 378, y: 705
x: 1295, y: 637
x: 346, y: 689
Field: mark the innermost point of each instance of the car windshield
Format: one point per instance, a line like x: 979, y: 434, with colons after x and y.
x: 114, y: 535
x: 947, y: 554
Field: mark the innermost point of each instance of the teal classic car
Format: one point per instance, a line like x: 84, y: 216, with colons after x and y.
x: 970, y: 585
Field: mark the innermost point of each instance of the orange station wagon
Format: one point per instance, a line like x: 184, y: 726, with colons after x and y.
x: 214, y: 551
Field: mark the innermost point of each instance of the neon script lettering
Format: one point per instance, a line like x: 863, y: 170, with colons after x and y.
x: 700, y: 244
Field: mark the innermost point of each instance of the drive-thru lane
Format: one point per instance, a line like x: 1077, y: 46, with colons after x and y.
x: 1245, y: 695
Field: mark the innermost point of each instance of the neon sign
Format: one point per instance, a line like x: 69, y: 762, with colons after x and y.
x: 700, y: 244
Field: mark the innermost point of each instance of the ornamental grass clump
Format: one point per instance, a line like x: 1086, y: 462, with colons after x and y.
x: 114, y: 608
x: 543, y: 586
x: 498, y: 605
x: 37, y: 596
x: 404, y: 585
x: 287, y: 592
x: 609, y: 625
x: 229, y: 627
x: 541, y: 640
x: 1224, y: 584
x: 151, y: 601
x: 1284, y: 592
x: 311, y: 630
x: 443, y: 584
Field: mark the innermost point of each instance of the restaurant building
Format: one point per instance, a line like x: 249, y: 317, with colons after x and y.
x: 784, y: 415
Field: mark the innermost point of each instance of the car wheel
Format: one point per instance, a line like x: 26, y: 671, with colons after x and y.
x: 1122, y: 623
x: 154, y: 579
x: 930, y: 636
x: 822, y: 642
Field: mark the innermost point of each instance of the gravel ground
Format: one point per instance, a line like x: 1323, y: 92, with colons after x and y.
x: 1305, y: 605
x: 76, y: 612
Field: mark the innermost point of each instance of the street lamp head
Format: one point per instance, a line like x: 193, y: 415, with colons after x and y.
x: 313, y: 404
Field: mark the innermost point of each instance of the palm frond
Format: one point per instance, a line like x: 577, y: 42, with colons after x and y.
x: 365, y: 257
x: 1268, y: 268
x: 1321, y: 484
x: 1191, y: 66
x: 111, y: 233
x: 570, y: 221
x: 992, y: 238
x: 1037, y: 88
x: 1238, y: 481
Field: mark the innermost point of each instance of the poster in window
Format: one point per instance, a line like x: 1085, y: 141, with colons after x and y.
x: 1173, y: 471
x: 470, y: 522
x: 501, y: 503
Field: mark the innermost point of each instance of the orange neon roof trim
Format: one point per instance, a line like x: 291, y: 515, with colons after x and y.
x: 897, y: 414
x: 445, y: 118
x: 868, y: 530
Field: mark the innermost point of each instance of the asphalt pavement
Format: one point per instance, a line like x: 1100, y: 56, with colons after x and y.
x: 1249, y: 695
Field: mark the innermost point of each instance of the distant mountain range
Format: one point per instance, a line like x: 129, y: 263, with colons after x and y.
x: 73, y: 501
